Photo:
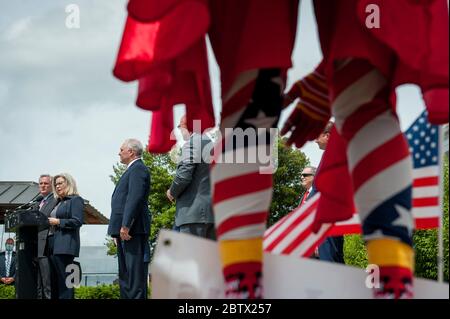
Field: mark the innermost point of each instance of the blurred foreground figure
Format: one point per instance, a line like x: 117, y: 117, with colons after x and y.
x: 163, y: 46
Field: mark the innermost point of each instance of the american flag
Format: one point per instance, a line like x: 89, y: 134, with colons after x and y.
x: 292, y: 235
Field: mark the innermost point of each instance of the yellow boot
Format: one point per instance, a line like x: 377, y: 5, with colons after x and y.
x: 242, y: 268
x: 396, y: 263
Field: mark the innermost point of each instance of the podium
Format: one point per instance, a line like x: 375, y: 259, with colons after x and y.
x: 26, y: 224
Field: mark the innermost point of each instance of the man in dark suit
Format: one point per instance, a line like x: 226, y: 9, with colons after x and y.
x: 8, y: 263
x: 129, y: 224
x: 46, y: 205
x: 307, y: 178
x: 191, y: 186
x: 332, y: 249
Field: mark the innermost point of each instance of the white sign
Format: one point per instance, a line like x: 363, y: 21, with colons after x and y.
x: 188, y: 267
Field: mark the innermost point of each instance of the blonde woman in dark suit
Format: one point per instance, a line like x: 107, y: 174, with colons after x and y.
x: 64, y: 235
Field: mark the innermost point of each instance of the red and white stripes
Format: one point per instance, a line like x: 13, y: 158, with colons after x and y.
x: 293, y: 234
x: 378, y: 155
x: 241, y: 195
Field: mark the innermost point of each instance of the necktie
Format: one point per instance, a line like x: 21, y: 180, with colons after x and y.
x: 305, y: 197
x: 41, y: 204
x: 8, y: 263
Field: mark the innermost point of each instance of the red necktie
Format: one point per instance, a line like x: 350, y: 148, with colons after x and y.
x: 304, y: 197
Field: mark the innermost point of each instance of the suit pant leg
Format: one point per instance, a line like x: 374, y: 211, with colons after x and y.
x: 210, y: 231
x: 339, y: 244
x: 122, y: 270
x: 60, y: 263
x: 332, y: 249
x: 326, y: 250
x: 133, y: 284
x: 44, y: 285
x: 53, y: 273
x: 199, y: 229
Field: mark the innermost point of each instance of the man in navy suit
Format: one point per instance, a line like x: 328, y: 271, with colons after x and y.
x: 8, y: 263
x: 129, y: 224
x: 332, y: 249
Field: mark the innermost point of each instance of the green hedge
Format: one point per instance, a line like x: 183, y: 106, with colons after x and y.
x: 96, y: 292
x: 355, y: 253
x: 7, y: 292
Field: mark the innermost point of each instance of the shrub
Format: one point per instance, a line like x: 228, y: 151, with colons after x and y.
x: 355, y: 253
x: 7, y: 292
x: 98, y: 292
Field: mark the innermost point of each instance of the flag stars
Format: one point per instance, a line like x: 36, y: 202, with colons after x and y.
x: 404, y: 218
x: 261, y: 120
x: 423, y: 142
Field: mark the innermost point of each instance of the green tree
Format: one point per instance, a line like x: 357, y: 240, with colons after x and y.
x: 426, y: 241
x: 287, y: 185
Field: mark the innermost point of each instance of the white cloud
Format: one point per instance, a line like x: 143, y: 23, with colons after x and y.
x: 17, y: 29
x: 51, y: 65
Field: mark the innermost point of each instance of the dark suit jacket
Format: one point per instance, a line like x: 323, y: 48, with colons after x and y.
x: 67, y: 234
x: 129, y: 206
x: 191, y: 185
x: 42, y: 235
x: 12, y: 270
x: 332, y: 248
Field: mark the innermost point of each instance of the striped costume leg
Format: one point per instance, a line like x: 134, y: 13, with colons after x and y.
x: 381, y: 169
x: 241, y: 194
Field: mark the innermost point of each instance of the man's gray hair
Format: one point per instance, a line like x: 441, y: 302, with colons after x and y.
x: 45, y: 175
x: 134, y: 145
x: 312, y: 168
x: 328, y: 127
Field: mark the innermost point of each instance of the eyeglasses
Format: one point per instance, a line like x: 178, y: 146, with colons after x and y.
x: 306, y: 175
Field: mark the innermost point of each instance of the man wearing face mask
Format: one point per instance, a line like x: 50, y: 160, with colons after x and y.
x: 8, y: 263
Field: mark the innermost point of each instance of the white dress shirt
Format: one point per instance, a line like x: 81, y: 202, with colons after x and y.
x: 131, y: 163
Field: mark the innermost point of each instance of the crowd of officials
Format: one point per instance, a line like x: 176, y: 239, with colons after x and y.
x: 130, y: 219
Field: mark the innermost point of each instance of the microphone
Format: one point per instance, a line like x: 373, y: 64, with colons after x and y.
x: 31, y: 203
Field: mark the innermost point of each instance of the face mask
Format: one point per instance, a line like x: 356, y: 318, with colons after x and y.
x: 9, y: 247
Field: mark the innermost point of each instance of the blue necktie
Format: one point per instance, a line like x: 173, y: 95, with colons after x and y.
x: 8, y: 263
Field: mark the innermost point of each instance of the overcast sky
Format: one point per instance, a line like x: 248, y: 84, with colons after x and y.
x: 61, y: 110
